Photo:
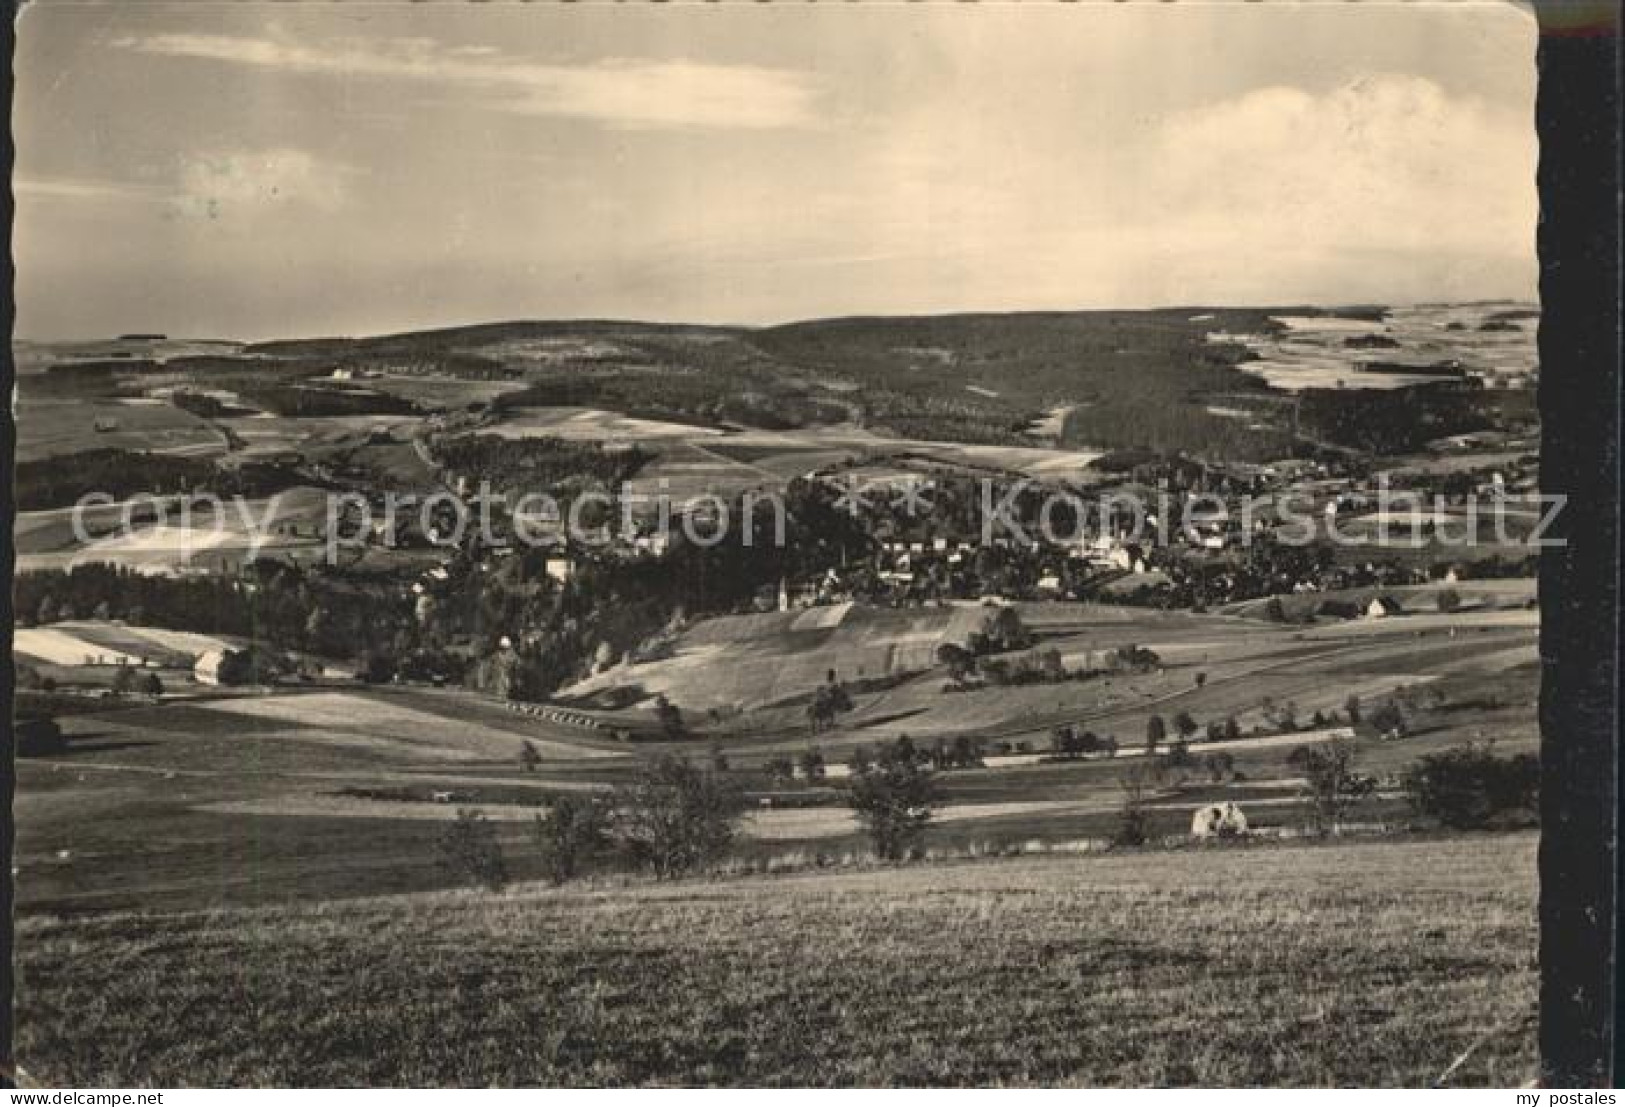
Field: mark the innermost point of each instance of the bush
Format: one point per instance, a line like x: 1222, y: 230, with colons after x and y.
x: 1448, y: 600
x: 811, y: 764
x: 470, y: 851
x: 893, y: 798
x: 677, y: 818
x: 574, y: 830
x: 1388, y: 720
x: 1155, y: 732
x: 529, y: 756
x: 1469, y: 787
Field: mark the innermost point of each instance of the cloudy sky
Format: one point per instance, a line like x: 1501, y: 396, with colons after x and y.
x: 255, y: 170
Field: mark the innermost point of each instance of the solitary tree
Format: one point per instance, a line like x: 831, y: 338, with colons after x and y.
x: 676, y: 818
x: 1332, y: 786
x: 151, y: 686
x: 779, y: 768
x: 1388, y: 720
x: 574, y: 829
x: 529, y: 756
x: 470, y: 851
x: 893, y: 800
x: 966, y: 753
x: 1156, y: 731
x: 960, y: 662
x: 860, y: 762
x: 1185, y: 725
x: 670, y: 716
x: 1133, y: 823
x: 812, y: 763
x: 125, y: 680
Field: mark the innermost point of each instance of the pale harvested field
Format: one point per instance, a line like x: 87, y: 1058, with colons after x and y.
x: 51, y: 427
x: 348, y: 719
x: 61, y: 646
x: 590, y: 425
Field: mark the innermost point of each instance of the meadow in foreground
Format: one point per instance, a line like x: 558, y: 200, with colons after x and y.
x: 1348, y: 963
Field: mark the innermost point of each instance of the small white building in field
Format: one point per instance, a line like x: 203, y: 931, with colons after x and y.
x: 1381, y: 607
x: 1218, y: 820
x: 206, y: 670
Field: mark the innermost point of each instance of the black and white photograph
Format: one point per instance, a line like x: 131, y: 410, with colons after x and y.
x: 858, y: 546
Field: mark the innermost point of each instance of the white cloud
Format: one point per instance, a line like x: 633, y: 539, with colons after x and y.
x: 619, y: 92
x: 237, y: 182
x: 1387, y: 162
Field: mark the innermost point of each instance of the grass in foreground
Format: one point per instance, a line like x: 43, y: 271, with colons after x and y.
x: 1376, y: 962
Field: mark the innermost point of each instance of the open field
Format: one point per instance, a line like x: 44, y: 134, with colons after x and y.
x: 1148, y: 969
x: 174, y: 540
x: 752, y: 662
x: 213, y: 773
x: 1326, y: 351
x: 1477, y: 595
x: 48, y: 428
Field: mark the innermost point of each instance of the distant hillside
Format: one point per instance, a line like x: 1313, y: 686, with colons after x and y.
x: 473, y: 336
x: 1091, y: 379
x: 1130, y: 378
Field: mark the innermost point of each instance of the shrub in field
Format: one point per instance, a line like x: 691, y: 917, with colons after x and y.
x: 1469, y: 787
x: 892, y: 798
x: 1388, y: 720
x: 811, y: 764
x: 719, y: 759
x: 677, y: 818
x: 1352, y: 707
x: 1332, y: 786
x: 574, y: 830
x: 126, y: 681
x: 1448, y: 600
x: 470, y: 851
x: 670, y: 716
x: 780, y: 769
x: 1155, y: 732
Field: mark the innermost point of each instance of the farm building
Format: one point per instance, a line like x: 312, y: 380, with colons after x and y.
x: 1218, y: 820
x: 1381, y: 607
x: 207, y: 668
